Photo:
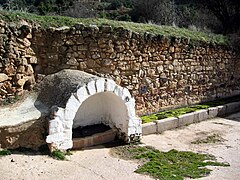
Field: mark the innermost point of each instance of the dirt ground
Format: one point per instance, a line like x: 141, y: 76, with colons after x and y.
x: 97, y: 163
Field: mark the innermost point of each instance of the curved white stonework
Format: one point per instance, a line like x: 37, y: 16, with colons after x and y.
x: 98, y: 101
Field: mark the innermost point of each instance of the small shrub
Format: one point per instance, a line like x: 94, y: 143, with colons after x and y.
x: 4, y: 152
x: 59, y: 155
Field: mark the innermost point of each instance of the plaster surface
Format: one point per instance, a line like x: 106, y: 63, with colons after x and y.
x: 106, y: 108
x: 21, y: 112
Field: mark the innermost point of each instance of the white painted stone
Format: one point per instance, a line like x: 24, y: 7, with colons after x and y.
x: 82, y: 94
x: 126, y: 95
x: 131, y: 112
x: 65, y: 145
x: 67, y: 134
x: 134, y: 126
x: 100, y: 84
x: 69, y: 114
x: 118, y: 91
x: 72, y: 104
x: 60, y: 113
x: 55, y: 126
x: 68, y: 124
x: 54, y: 138
x: 110, y: 85
x: 91, y: 87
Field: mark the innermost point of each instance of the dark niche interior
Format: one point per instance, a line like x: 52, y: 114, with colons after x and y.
x: 85, y: 131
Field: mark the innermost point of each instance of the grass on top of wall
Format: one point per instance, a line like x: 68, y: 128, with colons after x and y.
x: 172, y: 113
x: 57, y: 21
x: 180, y: 111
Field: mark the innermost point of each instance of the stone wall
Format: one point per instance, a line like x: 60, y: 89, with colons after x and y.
x: 17, y: 60
x: 160, y: 72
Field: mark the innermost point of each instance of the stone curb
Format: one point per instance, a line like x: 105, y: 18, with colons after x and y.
x: 162, y: 125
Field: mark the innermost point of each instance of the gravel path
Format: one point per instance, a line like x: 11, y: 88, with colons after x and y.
x: 98, y: 164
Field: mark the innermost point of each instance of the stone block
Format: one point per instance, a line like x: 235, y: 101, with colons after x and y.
x: 73, y: 104
x: 69, y: 114
x: 100, y: 83
x: 149, y: 128
x: 212, y: 112
x: 110, y: 85
x: 68, y: 124
x: 3, y: 77
x: 91, y: 87
x: 65, y: 145
x: 232, y: 107
x: 221, y: 110
x: 82, y: 94
x: 67, y: 134
x: 201, y: 115
x: 55, y: 126
x: 186, y: 119
x: 55, y: 138
x: 166, y: 124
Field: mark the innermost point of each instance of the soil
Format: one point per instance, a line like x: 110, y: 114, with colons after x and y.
x: 97, y: 162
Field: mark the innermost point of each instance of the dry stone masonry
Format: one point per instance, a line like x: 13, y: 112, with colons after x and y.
x: 159, y: 71
x: 17, y: 60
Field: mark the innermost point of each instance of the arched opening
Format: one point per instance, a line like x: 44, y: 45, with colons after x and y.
x: 96, y: 113
x: 84, y: 100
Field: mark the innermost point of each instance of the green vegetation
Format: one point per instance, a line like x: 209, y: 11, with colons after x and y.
x: 180, y: 111
x: 4, y: 152
x: 214, y: 138
x: 170, y: 165
x: 172, y: 113
x: 56, y: 21
x: 9, y: 100
x: 59, y: 155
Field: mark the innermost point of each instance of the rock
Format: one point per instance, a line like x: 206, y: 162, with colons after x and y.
x: 21, y: 82
x: 3, y: 77
x: 29, y: 70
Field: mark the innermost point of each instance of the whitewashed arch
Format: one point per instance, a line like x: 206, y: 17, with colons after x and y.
x: 60, y: 127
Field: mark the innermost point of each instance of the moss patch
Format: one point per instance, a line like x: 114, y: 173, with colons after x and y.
x: 56, y: 21
x: 169, y: 165
x: 214, y: 138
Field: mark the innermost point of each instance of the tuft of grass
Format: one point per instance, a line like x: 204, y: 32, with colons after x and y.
x: 172, y: 164
x: 59, y: 155
x: 4, y: 152
x: 170, y: 31
x: 214, y: 138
